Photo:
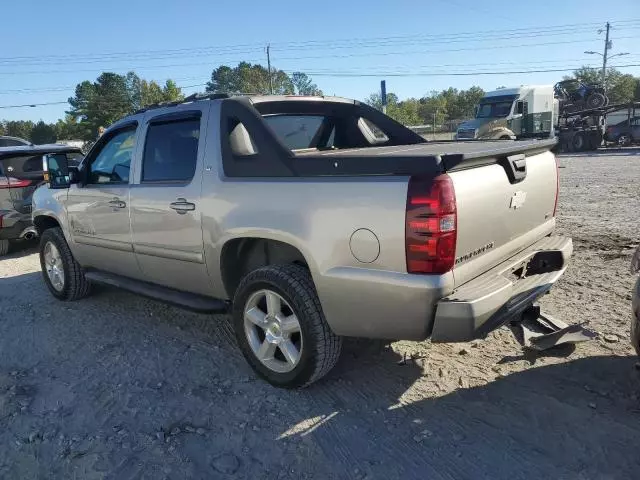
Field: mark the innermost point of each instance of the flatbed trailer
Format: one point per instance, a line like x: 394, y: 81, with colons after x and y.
x: 584, y: 130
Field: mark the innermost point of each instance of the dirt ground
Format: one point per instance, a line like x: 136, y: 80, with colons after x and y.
x: 119, y: 387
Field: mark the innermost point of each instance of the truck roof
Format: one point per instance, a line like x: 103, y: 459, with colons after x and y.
x: 299, y: 98
x: 36, y: 149
x: 517, y: 90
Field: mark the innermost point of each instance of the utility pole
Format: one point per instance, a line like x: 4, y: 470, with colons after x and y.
x: 383, y: 95
x: 607, y: 46
x: 271, y: 76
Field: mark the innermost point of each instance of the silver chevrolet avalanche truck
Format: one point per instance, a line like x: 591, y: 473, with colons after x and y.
x: 310, y: 219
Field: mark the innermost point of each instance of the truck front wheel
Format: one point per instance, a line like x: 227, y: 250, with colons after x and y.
x: 62, y: 274
x: 280, y: 327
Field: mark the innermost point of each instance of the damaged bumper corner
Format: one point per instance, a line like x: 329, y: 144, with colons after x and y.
x: 502, y: 294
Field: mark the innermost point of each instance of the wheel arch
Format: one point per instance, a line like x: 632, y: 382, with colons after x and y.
x: 241, y: 255
x: 44, y: 222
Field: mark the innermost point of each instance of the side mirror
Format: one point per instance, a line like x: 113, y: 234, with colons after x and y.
x: 475, y: 110
x: 520, y: 107
x: 57, y: 172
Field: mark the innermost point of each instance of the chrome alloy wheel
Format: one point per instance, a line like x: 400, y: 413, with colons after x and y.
x: 54, y: 267
x: 273, y: 331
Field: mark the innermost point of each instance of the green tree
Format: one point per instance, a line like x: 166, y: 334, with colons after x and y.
x: 152, y: 93
x: 620, y: 86
x: 42, y: 133
x: 433, y: 109
x: 304, y: 85
x: 68, y: 128
x: 405, y: 112
x: 101, y: 103
x: 19, y: 128
x: 112, y: 97
x: 248, y: 78
x: 171, y: 92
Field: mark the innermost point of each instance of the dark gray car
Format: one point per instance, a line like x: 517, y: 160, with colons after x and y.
x: 624, y: 133
x: 20, y: 175
x: 6, y: 141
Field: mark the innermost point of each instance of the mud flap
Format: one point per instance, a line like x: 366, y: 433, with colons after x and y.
x: 539, y: 331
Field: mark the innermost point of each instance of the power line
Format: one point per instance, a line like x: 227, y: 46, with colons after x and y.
x: 450, y: 74
x: 32, y: 104
x: 210, y: 51
x: 331, y: 55
x: 343, y: 43
x: 501, y: 47
x: 304, y: 69
x: 377, y: 74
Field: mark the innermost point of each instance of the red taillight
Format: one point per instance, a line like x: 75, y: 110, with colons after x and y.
x: 431, y: 225
x: 10, y: 182
x: 555, y: 205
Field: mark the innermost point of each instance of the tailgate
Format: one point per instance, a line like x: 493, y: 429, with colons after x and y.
x: 504, y: 205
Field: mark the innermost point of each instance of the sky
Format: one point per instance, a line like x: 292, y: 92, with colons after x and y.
x: 347, y: 47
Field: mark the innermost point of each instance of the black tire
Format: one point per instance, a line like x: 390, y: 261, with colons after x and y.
x: 76, y: 286
x: 4, y: 247
x: 596, y: 100
x: 594, y: 142
x: 505, y: 137
x: 579, y: 142
x: 321, y: 346
x: 624, y: 140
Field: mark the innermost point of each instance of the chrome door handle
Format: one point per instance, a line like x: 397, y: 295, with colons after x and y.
x: 115, y: 203
x: 182, y: 206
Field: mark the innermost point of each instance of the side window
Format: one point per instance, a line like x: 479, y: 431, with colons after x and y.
x: 371, y: 131
x: 113, y: 162
x: 241, y: 143
x: 171, y: 151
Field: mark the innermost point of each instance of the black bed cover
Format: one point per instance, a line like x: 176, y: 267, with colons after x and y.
x: 423, y: 158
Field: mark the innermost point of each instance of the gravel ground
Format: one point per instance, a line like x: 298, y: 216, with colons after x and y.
x: 120, y: 387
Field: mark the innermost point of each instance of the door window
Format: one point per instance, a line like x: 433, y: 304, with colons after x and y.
x: 171, y: 151
x: 113, y: 162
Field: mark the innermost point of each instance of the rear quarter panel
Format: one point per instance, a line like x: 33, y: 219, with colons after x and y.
x: 317, y: 217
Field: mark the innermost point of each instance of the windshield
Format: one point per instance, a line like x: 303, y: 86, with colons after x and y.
x: 494, y: 110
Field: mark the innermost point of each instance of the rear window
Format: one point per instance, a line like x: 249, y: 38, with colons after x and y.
x: 297, y: 132
x: 21, y: 166
x: 12, y: 142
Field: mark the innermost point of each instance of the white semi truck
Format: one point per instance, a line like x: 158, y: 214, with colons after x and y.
x: 528, y: 111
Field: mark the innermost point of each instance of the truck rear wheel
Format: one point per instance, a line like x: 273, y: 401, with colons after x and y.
x: 280, y: 327
x: 62, y: 274
x: 579, y: 142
